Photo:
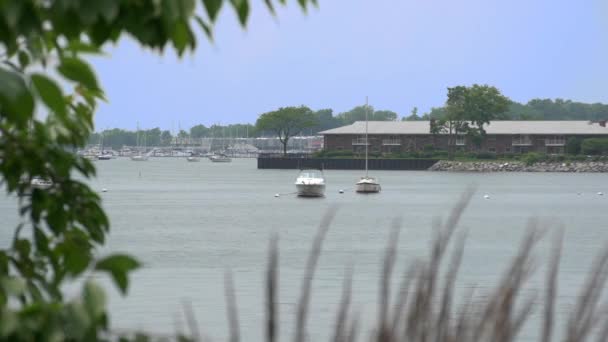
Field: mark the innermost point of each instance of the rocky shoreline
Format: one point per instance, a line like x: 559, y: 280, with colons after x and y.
x: 517, y: 166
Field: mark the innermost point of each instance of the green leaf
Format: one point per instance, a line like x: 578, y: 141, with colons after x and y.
x: 180, y: 36
x: 118, y: 265
x: 109, y: 9
x: 77, y: 46
x: 206, y: 27
x: 12, y: 285
x: 270, y: 6
x: 213, y: 8
x: 79, y: 71
x: 24, y: 59
x: 50, y: 93
x: 94, y: 300
x: 242, y: 9
x: 79, y: 320
x: 8, y: 323
x: 15, y: 98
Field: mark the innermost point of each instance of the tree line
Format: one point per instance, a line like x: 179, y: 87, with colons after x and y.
x: 536, y: 109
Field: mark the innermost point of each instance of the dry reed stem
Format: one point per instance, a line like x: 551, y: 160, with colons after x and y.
x: 302, y: 308
x: 191, y: 321
x: 581, y: 320
x: 341, y: 333
x: 384, y: 329
x: 272, y: 283
x: 231, y: 309
x: 551, y: 292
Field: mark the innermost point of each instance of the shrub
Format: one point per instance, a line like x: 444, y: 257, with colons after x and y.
x: 594, y: 146
x: 333, y: 154
x: 509, y: 155
x: 428, y: 148
x: 486, y: 155
x: 531, y: 158
x: 573, y: 145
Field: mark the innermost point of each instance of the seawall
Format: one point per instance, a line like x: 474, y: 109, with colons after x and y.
x: 517, y: 166
x: 344, y: 164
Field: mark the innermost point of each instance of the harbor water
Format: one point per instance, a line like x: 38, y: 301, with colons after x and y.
x: 191, y: 222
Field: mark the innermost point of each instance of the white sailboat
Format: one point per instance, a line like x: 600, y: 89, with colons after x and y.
x: 102, y: 154
x: 367, y: 184
x: 41, y: 183
x: 139, y: 156
x: 310, y: 183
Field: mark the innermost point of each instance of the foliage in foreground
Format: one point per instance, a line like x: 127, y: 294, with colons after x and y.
x: 42, y: 44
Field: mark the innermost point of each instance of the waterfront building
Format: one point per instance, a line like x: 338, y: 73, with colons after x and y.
x: 502, y: 137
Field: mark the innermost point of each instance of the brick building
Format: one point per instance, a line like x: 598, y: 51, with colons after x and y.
x: 501, y: 136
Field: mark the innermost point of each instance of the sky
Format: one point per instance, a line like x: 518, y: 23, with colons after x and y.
x: 400, y: 53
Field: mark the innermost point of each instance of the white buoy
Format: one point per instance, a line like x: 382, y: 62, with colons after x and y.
x: 600, y: 193
x: 486, y: 196
x: 341, y: 191
x: 276, y: 195
x: 104, y: 190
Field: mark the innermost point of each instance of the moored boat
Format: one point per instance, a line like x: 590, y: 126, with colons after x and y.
x: 368, y: 185
x: 220, y: 158
x: 41, y: 183
x: 310, y: 183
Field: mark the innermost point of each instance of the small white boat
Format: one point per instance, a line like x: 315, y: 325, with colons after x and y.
x: 139, y: 157
x: 40, y: 183
x: 105, y: 156
x: 310, y: 183
x: 220, y: 158
x: 193, y: 159
x: 368, y: 185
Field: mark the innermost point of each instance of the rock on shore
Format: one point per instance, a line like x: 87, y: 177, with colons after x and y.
x: 517, y: 166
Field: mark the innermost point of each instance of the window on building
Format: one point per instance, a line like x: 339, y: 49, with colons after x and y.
x: 492, y: 149
x: 460, y: 140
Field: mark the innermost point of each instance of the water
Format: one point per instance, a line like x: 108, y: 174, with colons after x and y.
x: 190, y: 222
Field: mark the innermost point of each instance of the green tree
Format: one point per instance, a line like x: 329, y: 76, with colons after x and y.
x: 358, y: 114
x: 595, y: 146
x: 153, y: 137
x: 573, y: 145
x: 166, y: 138
x: 325, y: 120
x: 468, y: 109
x: 286, y: 122
x: 199, y: 131
x: 413, y: 116
x: 42, y: 70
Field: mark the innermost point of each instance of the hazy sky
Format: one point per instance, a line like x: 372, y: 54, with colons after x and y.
x: 400, y: 53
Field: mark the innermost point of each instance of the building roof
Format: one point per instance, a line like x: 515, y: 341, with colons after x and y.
x: 495, y: 127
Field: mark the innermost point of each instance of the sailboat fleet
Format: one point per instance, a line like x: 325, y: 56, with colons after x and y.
x: 309, y: 183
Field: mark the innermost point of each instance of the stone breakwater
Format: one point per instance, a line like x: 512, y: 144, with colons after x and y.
x: 517, y: 166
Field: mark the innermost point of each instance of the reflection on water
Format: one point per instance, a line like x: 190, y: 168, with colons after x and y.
x: 188, y: 222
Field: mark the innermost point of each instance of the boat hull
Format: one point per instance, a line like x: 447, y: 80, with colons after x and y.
x: 310, y: 190
x: 139, y: 158
x: 220, y: 160
x: 368, y: 187
x: 193, y: 159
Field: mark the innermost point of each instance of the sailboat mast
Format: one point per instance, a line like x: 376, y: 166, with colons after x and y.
x: 366, y: 140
